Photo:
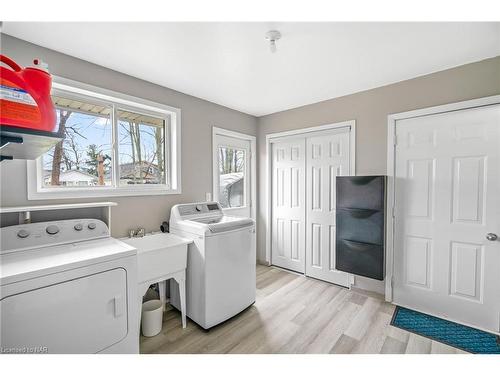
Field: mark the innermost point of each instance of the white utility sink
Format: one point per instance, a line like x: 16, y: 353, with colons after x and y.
x: 160, y: 257
x: 159, y: 254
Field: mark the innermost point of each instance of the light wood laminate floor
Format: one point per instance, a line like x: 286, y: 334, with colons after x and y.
x: 295, y: 314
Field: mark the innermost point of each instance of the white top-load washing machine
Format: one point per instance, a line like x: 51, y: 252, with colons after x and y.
x: 67, y: 287
x: 220, y: 278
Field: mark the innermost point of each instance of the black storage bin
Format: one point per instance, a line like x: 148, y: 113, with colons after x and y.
x: 360, y: 225
x: 361, y: 192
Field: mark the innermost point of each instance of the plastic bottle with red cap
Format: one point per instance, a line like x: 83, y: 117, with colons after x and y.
x: 25, y: 100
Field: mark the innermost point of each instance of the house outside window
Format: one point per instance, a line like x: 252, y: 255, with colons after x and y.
x: 113, y: 145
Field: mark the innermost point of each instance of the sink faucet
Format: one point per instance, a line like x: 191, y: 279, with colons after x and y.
x: 139, y: 232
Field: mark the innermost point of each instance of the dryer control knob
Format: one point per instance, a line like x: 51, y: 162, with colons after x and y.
x: 199, y: 207
x: 78, y: 227
x: 23, y: 233
x: 91, y: 226
x: 52, y: 229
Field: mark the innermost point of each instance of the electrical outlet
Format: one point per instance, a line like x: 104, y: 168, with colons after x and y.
x: 208, y: 197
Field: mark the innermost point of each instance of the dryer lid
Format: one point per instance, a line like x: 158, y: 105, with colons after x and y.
x: 36, y: 262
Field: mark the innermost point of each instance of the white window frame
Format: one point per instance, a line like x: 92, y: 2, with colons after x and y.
x: 116, y: 100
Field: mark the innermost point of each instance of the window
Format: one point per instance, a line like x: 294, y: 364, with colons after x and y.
x: 141, y: 149
x: 112, y: 145
x: 84, y: 157
x: 231, y: 177
x: 234, y: 171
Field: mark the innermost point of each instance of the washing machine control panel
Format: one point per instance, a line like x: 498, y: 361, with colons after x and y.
x: 26, y: 236
x: 199, y: 209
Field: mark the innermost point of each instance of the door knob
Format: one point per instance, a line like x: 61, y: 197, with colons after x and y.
x: 491, y: 237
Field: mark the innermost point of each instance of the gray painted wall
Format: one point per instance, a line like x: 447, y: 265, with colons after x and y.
x: 370, y: 110
x: 198, y: 117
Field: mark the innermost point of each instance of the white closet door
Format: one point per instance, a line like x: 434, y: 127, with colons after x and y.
x: 327, y: 157
x: 288, y: 204
x: 447, y: 201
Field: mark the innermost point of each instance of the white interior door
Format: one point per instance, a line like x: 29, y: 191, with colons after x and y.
x: 233, y: 174
x: 288, y: 204
x: 447, y: 185
x: 327, y: 157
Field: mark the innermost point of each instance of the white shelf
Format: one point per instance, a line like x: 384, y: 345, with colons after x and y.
x: 50, y: 207
x: 24, y: 143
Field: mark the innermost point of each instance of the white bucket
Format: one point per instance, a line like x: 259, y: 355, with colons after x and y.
x: 152, y: 317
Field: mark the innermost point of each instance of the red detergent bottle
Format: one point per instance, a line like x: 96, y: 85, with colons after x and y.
x: 25, y: 100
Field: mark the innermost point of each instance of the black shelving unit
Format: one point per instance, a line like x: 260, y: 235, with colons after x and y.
x: 23, y: 143
x: 360, y: 221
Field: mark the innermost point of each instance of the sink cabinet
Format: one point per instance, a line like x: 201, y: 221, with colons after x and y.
x: 161, y: 257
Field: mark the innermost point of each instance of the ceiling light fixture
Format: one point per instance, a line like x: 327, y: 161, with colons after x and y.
x: 272, y: 36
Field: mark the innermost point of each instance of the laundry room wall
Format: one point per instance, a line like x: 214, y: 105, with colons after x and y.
x: 198, y: 117
x: 370, y: 110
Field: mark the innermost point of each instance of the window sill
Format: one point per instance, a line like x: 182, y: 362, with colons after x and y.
x: 229, y: 209
x: 75, y: 193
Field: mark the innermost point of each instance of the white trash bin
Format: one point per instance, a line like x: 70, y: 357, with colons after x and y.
x: 152, y: 317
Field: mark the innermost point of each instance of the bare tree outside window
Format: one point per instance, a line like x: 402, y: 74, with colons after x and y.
x: 231, y: 177
x: 82, y: 158
x: 142, y: 147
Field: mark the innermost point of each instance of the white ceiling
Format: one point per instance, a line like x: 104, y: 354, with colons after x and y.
x: 230, y: 63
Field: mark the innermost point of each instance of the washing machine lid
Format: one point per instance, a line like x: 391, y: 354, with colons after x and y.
x: 36, y: 262
x: 212, y: 225
x: 224, y: 223
x: 205, y: 219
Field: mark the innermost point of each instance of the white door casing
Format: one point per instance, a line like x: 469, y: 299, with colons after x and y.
x: 327, y: 157
x: 447, y: 179
x: 288, y: 204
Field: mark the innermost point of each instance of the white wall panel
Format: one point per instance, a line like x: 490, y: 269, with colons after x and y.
x: 334, y: 171
x: 295, y: 238
x: 421, y: 138
x: 468, y: 189
x: 331, y: 248
x: 418, y: 261
x: 466, y: 270
x: 316, y: 150
x: 280, y: 187
x: 295, y: 187
x: 316, y: 245
x: 420, y: 188
x: 316, y: 188
x: 280, y: 236
x: 469, y: 132
x: 335, y: 149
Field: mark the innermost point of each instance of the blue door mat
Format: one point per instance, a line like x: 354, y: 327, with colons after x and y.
x: 457, y: 335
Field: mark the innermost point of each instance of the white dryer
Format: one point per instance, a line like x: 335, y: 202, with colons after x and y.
x: 67, y: 287
x: 220, y: 277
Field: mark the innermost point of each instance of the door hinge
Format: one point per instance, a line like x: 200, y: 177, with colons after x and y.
x: 395, y: 140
